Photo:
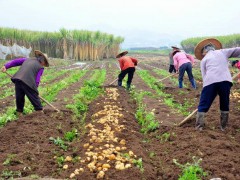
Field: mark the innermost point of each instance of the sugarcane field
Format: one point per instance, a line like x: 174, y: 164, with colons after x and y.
x: 104, y: 90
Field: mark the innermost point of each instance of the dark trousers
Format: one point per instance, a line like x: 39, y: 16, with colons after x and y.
x: 210, y: 92
x: 21, y: 89
x: 186, y: 67
x: 130, y: 71
x: 172, y: 69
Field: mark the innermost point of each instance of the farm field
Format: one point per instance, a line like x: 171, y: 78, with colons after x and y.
x: 106, y: 132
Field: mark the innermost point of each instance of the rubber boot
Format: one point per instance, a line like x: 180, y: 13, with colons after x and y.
x: 19, y: 114
x: 180, y: 84
x: 119, y: 83
x: 224, y: 119
x: 128, y: 86
x: 193, y: 84
x: 200, y: 120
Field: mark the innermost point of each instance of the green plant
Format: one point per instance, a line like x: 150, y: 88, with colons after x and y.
x: 152, y: 154
x: 191, y: 171
x: 60, y: 160
x: 139, y: 164
x: 59, y: 142
x: 71, y: 135
x: 59, y: 126
x: 9, y: 159
x: 165, y: 137
x: 8, y: 174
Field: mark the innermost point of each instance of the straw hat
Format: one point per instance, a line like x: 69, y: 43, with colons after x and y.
x: 175, y: 47
x: 198, y: 49
x: 39, y: 53
x: 122, y: 54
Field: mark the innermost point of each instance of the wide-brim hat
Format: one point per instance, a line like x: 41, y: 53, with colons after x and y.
x: 175, y: 47
x: 198, y: 49
x: 39, y: 53
x: 122, y: 54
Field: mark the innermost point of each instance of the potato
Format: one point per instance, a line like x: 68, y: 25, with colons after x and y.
x: 130, y: 153
x: 86, y: 145
x: 106, y: 166
x: 81, y: 170
x: 120, y: 166
x: 76, y: 172
x: 111, y: 157
x: 118, y: 149
x: 72, y: 175
x: 100, y: 175
x: 100, y: 158
x: 124, y: 148
x: 105, y: 169
x: 65, y: 166
x: 128, y: 166
x: 68, y: 158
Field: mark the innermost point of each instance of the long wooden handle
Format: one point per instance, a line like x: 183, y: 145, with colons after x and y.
x: 8, y: 74
x: 113, y: 81
x: 187, y: 118
x: 166, y: 77
x: 39, y: 96
x: 49, y: 103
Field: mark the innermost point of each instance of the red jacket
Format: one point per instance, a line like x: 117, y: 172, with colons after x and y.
x: 127, y: 62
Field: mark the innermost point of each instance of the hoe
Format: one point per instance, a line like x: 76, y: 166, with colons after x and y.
x: 190, y: 115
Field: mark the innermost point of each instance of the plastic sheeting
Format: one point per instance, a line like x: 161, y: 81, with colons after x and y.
x: 14, y: 51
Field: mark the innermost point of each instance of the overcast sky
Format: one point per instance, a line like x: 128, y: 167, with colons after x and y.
x: 179, y: 18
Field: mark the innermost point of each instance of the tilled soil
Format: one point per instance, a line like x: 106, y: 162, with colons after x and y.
x: 27, y: 139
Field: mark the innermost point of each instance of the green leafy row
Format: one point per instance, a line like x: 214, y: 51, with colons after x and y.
x: 145, y: 119
x: 90, y: 90
x: 158, y: 87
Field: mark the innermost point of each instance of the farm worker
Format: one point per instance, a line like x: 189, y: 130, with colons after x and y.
x: 183, y: 62
x: 171, y: 62
x: 127, y: 65
x: 216, y: 77
x: 27, y: 79
x: 236, y: 64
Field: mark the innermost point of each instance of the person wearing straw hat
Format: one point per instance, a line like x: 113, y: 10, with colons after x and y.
x: 27, y: 79
x: 216, y: 77
x: 171, y: 62
x: 127, y: 66
x: 183, y: 62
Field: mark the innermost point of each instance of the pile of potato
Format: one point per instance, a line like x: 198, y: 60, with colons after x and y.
x: 105, y: 150
x: 235, y: 95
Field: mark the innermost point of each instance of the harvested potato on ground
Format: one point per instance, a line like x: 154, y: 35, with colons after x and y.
x: 65, y: 166
x: 68, y: 158
x: 100, y: 175
x: 72, y: 175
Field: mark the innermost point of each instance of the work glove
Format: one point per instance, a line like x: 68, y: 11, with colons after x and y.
x: 3, y: 69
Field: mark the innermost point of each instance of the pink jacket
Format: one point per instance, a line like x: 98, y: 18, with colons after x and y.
x: 181, y: 58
